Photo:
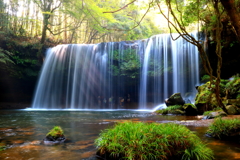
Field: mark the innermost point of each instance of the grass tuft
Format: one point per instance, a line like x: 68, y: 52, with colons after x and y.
x: 224, y: 128
x: 151, y: 141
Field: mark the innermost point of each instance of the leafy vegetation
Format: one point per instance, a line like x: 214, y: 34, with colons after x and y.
x: 224, y: 128
x: 205, y: 78
x: 151, y: 141
x: 2, y: 148
x: 125, y: 63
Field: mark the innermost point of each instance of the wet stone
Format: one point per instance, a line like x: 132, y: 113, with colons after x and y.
x: 35, y: 142
x: 18, y: 142
x: 10, y: 134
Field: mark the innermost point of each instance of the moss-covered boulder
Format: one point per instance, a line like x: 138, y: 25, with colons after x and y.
x: 54, y: 136
x: 205, y: 99
x: 214, y: 114
x: 233, y: 109
x: 190, y: 109
x: 175, y: 99
x: 174, y: 109
x: 145, y: 141
x: 186, y: 109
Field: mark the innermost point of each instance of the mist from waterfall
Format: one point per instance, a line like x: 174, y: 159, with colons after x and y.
x: 99, y: 76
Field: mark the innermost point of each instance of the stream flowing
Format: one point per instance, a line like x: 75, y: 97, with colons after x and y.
x: 22, y: 131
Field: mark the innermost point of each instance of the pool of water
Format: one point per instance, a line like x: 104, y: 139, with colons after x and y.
x: 22, y: 131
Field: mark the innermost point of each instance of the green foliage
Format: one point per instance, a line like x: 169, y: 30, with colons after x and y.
x: 238, y: 96
x: 20, y: 55
x: 5, y: 56
x: 55, y: 132
x: 174, y: 109
x: 2, y: 148
x: 126, y: 63
x: 217, y: 109
x: 151, y: 141
x: 233, y: 86
x: 223, y: 128
x: 205, y: 78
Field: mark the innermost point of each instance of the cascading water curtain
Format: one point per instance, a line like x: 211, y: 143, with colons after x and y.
x: 100, y: 76
x: 169, y: 67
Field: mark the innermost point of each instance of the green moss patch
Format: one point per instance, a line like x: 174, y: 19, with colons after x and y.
x: 55, y: 132
x: 223, y: 129
x: 145, y: 141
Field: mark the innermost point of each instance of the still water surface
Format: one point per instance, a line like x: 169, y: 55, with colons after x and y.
x: 22, y: 132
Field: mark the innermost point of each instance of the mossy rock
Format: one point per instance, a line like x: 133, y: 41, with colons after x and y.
x: 214, y: 114
x: 174, y: 109
x: 233, y: 87
x: 54, y: 136
x: 175, y: 99
x: 232, y: 110
x: 190, y: 109
x: 146, y: 141
x: 176, y: 112
x: 206, y: 98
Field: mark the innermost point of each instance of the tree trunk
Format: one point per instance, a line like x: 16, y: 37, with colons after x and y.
x: 44, y: 29
x: 229, y: 6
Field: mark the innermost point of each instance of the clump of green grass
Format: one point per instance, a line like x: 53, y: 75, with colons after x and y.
x: 56, y: 132
x: 151, y: 141
x: 2, y: 148
x: 224, y: 128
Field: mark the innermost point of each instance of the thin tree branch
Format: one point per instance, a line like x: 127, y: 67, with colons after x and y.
x: 120, y: 8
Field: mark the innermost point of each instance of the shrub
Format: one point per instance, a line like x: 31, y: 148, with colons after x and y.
x: 224, y: 128
x: 150, y: 141
x: 205, y: 78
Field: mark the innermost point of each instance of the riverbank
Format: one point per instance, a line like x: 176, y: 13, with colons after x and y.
x: 12, y: 105
x: 203, y: 123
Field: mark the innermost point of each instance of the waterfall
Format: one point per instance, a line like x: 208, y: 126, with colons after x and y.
x: 99, y: 76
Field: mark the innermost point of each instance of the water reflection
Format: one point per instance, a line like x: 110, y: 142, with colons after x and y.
x: 22, y: 131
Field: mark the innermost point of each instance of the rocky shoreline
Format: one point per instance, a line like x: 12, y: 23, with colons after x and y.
x: 205, y: 122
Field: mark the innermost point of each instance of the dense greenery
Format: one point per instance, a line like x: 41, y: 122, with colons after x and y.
x: 125, y: 63
x: 151, y: 141
x: 83, y: 22
x: 224, y: 128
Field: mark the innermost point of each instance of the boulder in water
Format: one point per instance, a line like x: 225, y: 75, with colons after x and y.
x: 190, y: 109
x: 175, y: 99
x: 54, y: 136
